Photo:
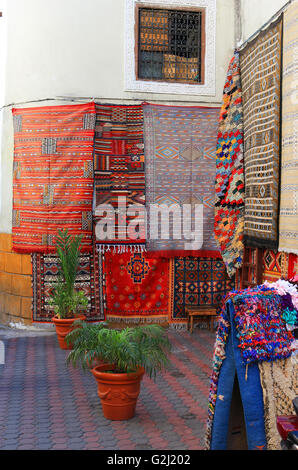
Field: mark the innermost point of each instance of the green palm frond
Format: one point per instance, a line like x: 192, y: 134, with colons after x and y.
x: 143, y: 346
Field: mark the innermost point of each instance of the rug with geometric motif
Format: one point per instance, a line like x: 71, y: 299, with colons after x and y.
x: 45, y: 270
x: 260, y: 67
x: 119, y: 179
x: 180, y: 156
x: 136, y: 287
x: 52, y: 175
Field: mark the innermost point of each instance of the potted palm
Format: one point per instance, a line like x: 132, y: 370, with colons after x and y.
x: 125, y: 356
x: 67, y: 301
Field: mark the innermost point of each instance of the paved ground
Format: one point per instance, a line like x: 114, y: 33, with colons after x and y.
x: 45, y: 404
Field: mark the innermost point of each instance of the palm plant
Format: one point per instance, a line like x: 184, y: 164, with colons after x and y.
x: 127, y: 350
x: 66, y: 300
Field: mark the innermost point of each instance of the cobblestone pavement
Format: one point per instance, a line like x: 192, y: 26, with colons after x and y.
x: 45, y: 404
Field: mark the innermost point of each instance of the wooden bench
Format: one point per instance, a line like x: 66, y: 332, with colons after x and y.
x: 201, y: 313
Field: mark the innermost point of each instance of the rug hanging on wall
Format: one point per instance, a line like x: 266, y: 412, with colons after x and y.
x: 229, y: 183
x: 180, y: 157
x: 119, y: 177
x: 45, y: 276
x: 136, y: 287
x: 52, y: 175
x: 260, y: 65
x: 279, y: 382
x: 288, y: 222
x: 197, y: 282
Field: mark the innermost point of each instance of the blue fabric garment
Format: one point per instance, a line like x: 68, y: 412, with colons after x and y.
x: 251, y: 395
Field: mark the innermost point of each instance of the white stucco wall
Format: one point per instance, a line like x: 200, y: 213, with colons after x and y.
x: 76, y: 48
x: 255, y: 13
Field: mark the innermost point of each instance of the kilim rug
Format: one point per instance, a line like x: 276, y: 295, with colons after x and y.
x: 180, y: 157
x: 119, y: 175
x: 52, y: 175
x: 260, y: 65
x: 136, y: 287
x: 229, y: 184
x: 45, y: 276
x: 288, y: 222
x: 277, y: 265
x: 279, y: 380
x: 197, y: 282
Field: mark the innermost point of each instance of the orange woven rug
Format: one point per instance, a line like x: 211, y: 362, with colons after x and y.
x: 53, y: 175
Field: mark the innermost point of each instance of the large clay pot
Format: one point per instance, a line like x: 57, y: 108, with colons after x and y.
x: 118, y: 392
x: 63, y: 327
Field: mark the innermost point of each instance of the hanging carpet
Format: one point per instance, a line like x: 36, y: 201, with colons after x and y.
x: 136, y: 287
x: 52, y: 175
x: 119, y: 175
x: 197, y: 282
x: 229, y: 183
x: 180, y: 154
x: 260, y: 65
x: 288, y: 222
x: 45, y: 270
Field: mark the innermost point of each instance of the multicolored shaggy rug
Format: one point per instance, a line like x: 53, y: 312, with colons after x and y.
x: 180, y: 155
x: 45, y: 270
x: 119, y: 175
x: 197, y: 282
x: 260, y: 66
x: 288, y: 222
x: 279, y: 381
x: 136, y: 287
x: 52, y: 175
x: 229, y: 184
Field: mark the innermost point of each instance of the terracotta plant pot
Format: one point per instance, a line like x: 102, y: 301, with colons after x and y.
x: 63, y: 327
x: 118, y: 392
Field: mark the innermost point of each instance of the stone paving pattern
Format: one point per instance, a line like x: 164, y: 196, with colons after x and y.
x: 45, y: 404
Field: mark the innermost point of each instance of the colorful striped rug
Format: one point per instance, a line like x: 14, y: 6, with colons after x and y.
x: 52, y: 175
x: 229, y: 184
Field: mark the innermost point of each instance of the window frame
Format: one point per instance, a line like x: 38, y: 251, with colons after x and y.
x: 135, y: 84
x: 149, y: 6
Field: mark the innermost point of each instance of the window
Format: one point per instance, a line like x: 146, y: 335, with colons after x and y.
x: 170, y: 45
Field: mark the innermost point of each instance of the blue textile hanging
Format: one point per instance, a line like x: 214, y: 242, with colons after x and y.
x: 250, y: 391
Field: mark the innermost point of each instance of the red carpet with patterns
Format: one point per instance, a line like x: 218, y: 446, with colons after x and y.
x: 52, y: 175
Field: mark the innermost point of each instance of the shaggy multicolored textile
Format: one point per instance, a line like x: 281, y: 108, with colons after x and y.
x: 52, y: 175
x: 119, y: 172
x: 229, y: 183
x: 260, y: 66
x: 197, y: 282
x: 136, y: 287
x: 279, y: 381
x: 259, y: 333
x: 45, y: 270
x: 180, y: 154
x: 288, y: 215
